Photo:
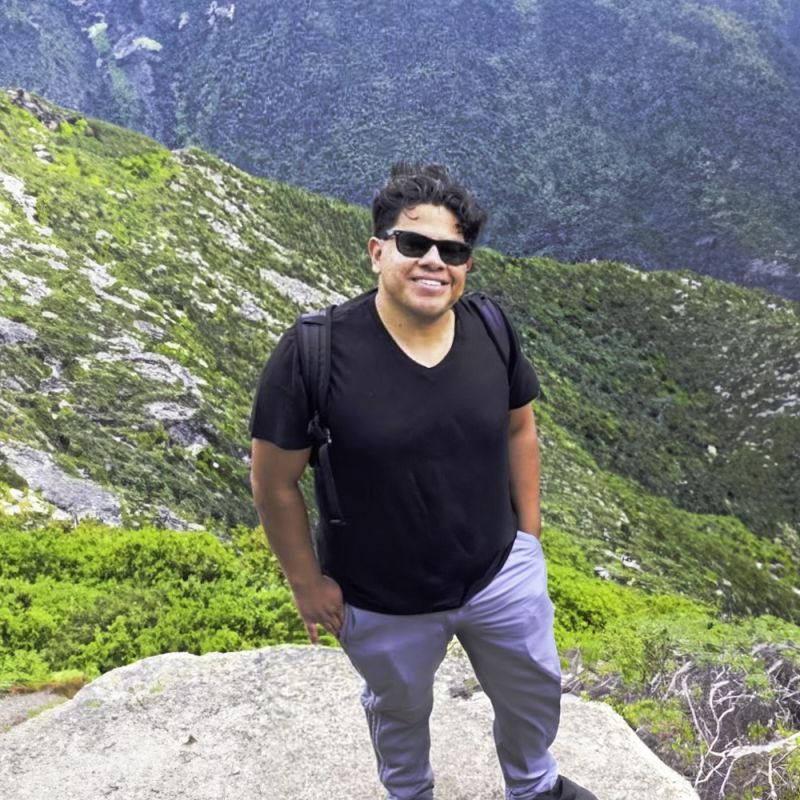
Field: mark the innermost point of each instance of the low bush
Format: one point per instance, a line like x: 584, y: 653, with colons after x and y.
x: 95, y: 598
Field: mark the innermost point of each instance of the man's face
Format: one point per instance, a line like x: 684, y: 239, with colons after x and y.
x: 422, y: 288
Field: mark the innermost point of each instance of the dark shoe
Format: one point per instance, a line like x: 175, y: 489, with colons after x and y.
x: 565, y: 789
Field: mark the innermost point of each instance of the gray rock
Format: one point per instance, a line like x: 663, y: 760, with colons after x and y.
x: 284, y: 723
x: 42, y: 153
x: 187, y: 434
x: 12, y: 384
x: 171, y: 521
x: 159, y: 368
x: 602, y: 572
x: 44, y: 112
x: 77, y: 496
x: 177, y: 420
x: 299, y: 292
x: 54, y: 384
x: 15, y: 332
x: 153, y: 331
x: 170, y: 412
x: 219, y: 11
x: 16, y: 708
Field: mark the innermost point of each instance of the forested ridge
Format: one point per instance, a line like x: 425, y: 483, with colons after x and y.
x: 659, y: 134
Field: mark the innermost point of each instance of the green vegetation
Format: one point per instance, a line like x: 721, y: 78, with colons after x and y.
x: 93, y: 598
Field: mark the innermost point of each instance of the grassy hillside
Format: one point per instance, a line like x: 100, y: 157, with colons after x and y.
x: 661, y: 134
x: 143, y: 290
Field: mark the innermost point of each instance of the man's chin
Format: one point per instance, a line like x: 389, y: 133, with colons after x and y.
x: 430, y: 312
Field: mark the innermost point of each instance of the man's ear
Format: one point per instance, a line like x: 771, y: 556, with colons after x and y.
x: 375, y: 250
x: 469, y: 264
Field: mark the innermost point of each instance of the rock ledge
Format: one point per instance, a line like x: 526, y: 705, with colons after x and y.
x: 284, y: 723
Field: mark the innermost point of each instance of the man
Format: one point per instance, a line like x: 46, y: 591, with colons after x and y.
x: 436, y: 466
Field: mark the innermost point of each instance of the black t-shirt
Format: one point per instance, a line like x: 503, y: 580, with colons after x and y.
x: 419, y: 455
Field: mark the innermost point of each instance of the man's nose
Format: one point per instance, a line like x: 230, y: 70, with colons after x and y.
x: 431, y: 258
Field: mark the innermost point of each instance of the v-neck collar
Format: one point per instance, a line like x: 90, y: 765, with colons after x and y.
x: 405, y: 356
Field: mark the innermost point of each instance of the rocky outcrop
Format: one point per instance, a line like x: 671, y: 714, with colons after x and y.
x: 76, y: 496
x: 284, y: 723
x: 46, y: 113
x: 15, y: 332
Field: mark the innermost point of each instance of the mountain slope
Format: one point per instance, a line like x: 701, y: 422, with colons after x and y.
x: 142, y: 290
x: 658, y: 134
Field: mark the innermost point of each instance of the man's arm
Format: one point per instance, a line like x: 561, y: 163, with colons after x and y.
x: 274, y: 475
x: 523, y: 455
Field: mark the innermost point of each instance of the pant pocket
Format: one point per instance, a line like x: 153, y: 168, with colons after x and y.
x: 528, y: 538
x: 347, y: 623
x: 534, y: 561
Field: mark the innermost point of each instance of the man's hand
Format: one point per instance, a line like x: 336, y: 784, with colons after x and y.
x: 320, y: 603
x: 275, y: 474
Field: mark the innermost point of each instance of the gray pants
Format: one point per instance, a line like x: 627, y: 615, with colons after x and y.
x: 507, y: 632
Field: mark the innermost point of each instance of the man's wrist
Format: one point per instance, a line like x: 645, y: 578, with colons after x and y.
x: 531, y: 524
x: 305, y: 581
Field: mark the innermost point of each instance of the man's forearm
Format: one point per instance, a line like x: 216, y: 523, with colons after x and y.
x: 525, y: 490
x: 523, y: 455
x: 284, y: 517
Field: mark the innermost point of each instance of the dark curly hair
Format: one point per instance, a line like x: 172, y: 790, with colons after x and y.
x: 412, y: 184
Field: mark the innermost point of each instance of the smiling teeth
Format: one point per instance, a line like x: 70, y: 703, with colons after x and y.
x: 429, y: 283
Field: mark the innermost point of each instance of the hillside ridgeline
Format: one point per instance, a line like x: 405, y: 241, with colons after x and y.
x: 660, y: 134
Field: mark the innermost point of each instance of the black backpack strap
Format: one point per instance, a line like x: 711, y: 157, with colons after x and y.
x: 496, y: 324
x: 314, y: 347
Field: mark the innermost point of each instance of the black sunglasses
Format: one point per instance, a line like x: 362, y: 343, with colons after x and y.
x: 415, y: 245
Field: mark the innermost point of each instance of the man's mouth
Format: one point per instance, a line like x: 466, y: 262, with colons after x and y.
x: 429, y: 282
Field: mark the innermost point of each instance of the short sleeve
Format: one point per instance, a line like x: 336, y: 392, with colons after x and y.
x: 280, y: 410
x: 522, y: 379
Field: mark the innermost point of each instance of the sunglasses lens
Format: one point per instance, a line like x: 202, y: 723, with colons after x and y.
x: 415, y: 245
x: 454, y: 253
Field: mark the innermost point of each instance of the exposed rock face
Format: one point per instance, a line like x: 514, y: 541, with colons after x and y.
x: 168, y: 519
x: 77, y: 496
x: 44, y: 112
x: 301, y: 293
x: 15, y: 332
x: 284, y: 723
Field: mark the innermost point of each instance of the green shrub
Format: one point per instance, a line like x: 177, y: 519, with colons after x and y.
x: 94, y: 598
x: 22, y: 667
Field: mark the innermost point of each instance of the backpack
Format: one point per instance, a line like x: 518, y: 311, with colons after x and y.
x: 314, y: 331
